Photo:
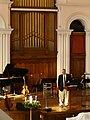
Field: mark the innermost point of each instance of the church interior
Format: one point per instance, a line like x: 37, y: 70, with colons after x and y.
x: 38, y: 38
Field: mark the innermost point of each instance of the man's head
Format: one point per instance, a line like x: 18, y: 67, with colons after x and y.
x: 63, y: 71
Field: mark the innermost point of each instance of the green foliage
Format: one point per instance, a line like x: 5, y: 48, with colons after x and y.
x: 34, y: 104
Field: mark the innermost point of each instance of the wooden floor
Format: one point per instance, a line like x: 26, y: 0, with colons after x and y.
x: 79, y: 102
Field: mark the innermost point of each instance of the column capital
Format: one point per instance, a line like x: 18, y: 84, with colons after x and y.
x: 60, y: 2
x: 6, y: 30
x: 9, y: 5
x: 64, y: 31
x: 5, y: 1
x: 87, y: 31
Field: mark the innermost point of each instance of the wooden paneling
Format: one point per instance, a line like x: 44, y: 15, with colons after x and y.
x: 77, y: 50
x: 38, y: 68
x: 59, y: 115
x: 24, y: 115
x: 77, y: 65
x: 34, y: 40
x: 78, y: 43
x: 19, y: 115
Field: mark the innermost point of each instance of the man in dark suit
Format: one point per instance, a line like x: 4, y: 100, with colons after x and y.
x: 63, y: 80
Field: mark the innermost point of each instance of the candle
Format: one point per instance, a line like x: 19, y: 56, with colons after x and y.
x: 31, y: 99
x: 25, y: 99
x: 35, y: 97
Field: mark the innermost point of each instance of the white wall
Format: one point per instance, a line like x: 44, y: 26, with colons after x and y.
x: 77, y: 2
x: 68, y: 11
x: 5, y: 31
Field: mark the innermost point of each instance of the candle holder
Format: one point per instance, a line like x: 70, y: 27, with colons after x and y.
x: 32, y: 105
x: 35, y: 104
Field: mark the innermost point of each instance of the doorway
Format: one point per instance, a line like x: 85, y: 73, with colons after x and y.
x: 77, y: 49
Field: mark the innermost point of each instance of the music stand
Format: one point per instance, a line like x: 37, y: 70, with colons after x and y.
x: 46, y: 103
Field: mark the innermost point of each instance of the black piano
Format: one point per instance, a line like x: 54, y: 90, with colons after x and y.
x: 12, y: 75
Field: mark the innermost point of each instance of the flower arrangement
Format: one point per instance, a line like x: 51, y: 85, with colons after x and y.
x: 35, y: 104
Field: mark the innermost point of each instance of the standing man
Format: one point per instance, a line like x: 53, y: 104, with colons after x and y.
x: 63, y: 80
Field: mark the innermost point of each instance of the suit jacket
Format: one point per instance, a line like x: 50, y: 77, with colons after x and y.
x: 60, y: 81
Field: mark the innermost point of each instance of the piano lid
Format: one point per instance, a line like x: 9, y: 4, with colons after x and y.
x: 10, y: 71
x: 20, y: 71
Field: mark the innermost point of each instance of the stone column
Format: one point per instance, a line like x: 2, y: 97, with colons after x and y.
x: 63, y: 48
x: 4, y: 48
x: 87, y: 69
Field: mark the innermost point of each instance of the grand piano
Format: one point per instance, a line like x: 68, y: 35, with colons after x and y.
x: 12, y: 75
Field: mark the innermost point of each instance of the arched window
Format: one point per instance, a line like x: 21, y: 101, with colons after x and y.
x: 77, y: 26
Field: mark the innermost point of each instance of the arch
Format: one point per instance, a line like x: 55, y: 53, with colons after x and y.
x: 84, y: 20
x: 2, y: 22
x: 77, y: 26
x: 79, y: 16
